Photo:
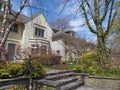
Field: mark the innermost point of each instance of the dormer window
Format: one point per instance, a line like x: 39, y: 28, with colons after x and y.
x: 14, y: 28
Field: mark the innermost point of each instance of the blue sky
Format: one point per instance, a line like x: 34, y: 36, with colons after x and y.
x: 52, y: 9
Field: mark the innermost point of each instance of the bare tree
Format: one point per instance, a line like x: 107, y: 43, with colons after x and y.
x: 61, y: 24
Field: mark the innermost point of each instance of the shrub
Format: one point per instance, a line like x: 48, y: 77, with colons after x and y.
x: 10, y: 70
x: 13, y: 69
x: 2, y: 64
x: 88, y: 63
x: 49, y: 59
x: 4, y: 74
x: 37, y: 68
x: 89, y: 57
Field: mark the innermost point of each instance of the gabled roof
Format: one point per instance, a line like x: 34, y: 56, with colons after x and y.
x: 57, y: 32
x: 34, y: 16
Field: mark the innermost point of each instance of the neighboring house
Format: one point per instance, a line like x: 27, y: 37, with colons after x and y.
x: 68, y: 46
x: 63, y: 43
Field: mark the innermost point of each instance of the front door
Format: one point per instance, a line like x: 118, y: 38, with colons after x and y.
x: 11, y: 51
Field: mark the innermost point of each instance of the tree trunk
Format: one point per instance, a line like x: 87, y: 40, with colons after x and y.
x: 30, y: 73
x: 102, y: 50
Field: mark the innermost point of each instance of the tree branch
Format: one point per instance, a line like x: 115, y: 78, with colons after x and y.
x: 5, y: 36
x: 86, y: 17
x: 105, y: 9
x: 110, y: 21
x: 91, y: 12
x: 5, y: 18
x: 96, y: 9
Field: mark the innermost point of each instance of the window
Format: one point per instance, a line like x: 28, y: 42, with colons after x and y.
x: 34, y: 48
x: 14, y: 28
x: 39, y: 32
x: 11, y: 51
x: 43, y: 49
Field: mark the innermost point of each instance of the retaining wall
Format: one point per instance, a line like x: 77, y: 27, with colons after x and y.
x: 102, y: 82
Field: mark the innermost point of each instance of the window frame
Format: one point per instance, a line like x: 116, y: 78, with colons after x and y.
x: 14, y: 29
x: 39, y: 32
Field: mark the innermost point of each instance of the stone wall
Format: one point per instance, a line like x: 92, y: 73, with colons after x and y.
x: 14, y: 81
x: 102, y: 82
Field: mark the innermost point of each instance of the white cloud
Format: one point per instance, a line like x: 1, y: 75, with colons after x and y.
x: 76, y: 22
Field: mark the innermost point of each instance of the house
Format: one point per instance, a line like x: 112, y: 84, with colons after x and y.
x: 27, y: 32
x: 63, y: 43
x: 67, y: 45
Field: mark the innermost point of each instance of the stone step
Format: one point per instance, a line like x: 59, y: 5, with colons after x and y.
x: 59, y: 76
x: 54, y: 72
x: 66, y: 81
x: 71, y: 86
x: 58, y: 83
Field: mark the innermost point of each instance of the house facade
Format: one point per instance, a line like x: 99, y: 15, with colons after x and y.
x: 37, y: 34
x: 28, y: 32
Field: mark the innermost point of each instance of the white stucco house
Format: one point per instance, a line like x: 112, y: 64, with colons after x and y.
x: 32, y: 32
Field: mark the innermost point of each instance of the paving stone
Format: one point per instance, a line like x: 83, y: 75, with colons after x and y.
x: 59, y: 76
x: 71, y: 86
x: 58, y: 83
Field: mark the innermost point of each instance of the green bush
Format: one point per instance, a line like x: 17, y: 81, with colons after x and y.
x: 37, y: 69
x: 89, y: 58
x: 2, y: 64
x: 89, y: 64
x: 4, y: 74
x: 10, y: 70
x: 13, y: 69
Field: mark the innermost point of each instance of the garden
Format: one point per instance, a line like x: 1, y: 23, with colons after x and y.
x: 88, y: 63
x: 12, y: 70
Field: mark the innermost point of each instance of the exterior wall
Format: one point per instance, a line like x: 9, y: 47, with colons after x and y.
x: 29, y: 31
x: 59, y: 45
x: 18, y: 35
